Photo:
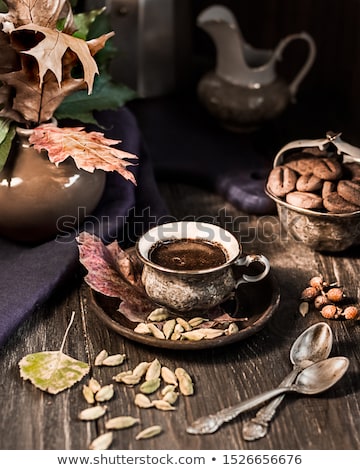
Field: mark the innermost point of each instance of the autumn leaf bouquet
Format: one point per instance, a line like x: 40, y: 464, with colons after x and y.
x: 45, y: 60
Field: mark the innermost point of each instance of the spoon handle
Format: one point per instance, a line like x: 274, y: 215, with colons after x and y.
x: 257, y: 427
x: 209, y: 424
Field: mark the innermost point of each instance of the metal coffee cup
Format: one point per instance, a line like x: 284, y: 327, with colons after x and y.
x: 194, y: 289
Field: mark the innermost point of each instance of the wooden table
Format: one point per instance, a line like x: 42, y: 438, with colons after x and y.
x: 32, y: 419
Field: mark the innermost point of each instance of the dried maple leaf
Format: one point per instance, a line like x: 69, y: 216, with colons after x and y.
x: 110, y: 272
x: 90, y: 150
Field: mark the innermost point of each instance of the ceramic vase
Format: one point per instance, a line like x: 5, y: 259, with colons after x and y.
x: 39, y: 200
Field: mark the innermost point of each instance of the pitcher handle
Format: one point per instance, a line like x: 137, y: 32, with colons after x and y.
x: 294, y: 85
x: 246, y: 261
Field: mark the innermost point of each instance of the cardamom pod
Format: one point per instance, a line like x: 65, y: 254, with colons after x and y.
x: 100, y: 357
x: 168, y: 328
x: 182, y: 322
x: 163, y: 405
x: 168, y: 388
x: 168, y: 376
x: 131, y: 379
x: 114, y: 360
x: 119, y: 377
x: 211, y: 333
x: 92, y: 413
x: 142, y: 401
x: 153, y: 371
x: 88, y: 394
x: 142, y: 329
x: 105, y: 393
x: 121, y: 422
x: 171, y: 397
x: 154, y: 330
x: 193, y: 335
x: 186, y: 385
x: 94, y: 385
x: 196, y: 321
x: 159, y: 314
x: 102, y: 442
x: 141, y: 369
x: 149, y: 432
x: 150, y: 386
x: 232, y: 329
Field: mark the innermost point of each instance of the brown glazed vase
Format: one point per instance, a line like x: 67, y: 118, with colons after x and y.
x: 38, y: 199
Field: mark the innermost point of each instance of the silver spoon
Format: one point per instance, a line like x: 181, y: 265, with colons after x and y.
x: 313, y: 345
x: 312, y: 380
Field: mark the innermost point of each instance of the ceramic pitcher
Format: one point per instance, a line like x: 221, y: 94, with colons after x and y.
x: 245, y: 90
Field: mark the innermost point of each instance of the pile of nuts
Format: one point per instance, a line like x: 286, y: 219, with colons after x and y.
x: 327, y: 298
x: 317, y: 180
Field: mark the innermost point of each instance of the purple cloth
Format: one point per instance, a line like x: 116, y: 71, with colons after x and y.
x: 29, y: 275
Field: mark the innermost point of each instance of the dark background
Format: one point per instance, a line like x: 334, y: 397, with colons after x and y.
x: 187, y: 144
x: 331, y: 90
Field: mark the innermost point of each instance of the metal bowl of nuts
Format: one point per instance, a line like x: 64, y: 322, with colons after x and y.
x: 316, y: 187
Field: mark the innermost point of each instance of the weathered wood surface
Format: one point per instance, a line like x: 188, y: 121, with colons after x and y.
x: 31, y: 419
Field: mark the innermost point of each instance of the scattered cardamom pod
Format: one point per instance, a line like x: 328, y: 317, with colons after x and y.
x: 94, y: 385
x: 131, y: 379
x: 168, y: 376
x: 114, y: 360
x: 168, y: 388
x: 153, y: 371
x: 102, y: 442
x: 88, y: 394
x: 92, y: 413
x: 121, y: 422
x: 149, y: 432
x: 141, y: 369
x: 119, y: 377
x: 100, y: 357
x: 142, y: 401
x: 150, y: 386
x: 105, y: 393
x: 186, y: 385
x: 163, y: 405
x: 171, y: 397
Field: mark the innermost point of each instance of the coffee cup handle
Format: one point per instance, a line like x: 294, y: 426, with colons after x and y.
x: 246, y: 261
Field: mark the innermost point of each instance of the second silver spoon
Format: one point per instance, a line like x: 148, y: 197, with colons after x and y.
x: 313, y: 345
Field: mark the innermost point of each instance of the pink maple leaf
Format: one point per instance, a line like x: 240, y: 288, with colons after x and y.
x: 89, y: 150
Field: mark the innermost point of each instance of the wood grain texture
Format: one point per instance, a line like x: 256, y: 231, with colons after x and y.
x: 32, y: 419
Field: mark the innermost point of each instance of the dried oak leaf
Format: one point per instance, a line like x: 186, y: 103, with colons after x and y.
x: 90, y: 150
x: 34, y: 104
x: 42, y: 12
x: 53, y: 371
x: 114, y: 276
x: 50, y: 51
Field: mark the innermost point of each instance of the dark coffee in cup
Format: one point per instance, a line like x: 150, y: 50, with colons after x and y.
x: 186, y: 254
